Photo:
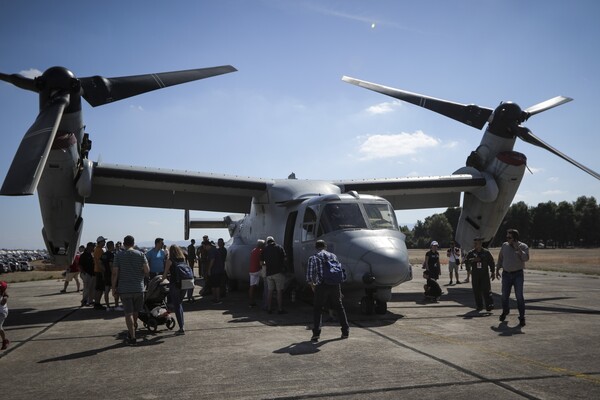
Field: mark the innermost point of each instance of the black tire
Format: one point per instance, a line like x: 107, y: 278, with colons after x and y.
x: 170, y: 324
x: 152, y: 325
x: 380, y: 307
x: 367, y: 305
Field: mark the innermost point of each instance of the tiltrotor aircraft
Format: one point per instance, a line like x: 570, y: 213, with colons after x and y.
x: 355, y: 218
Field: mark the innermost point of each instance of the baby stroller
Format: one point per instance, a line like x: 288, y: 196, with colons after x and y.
x: 155, y: 306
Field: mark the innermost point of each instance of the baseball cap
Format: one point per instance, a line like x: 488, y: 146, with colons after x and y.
x: 434, y: 243
x: 100, y: 239
x: 270, y: 239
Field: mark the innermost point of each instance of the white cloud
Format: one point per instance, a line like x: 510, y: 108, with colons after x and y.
x: 553, y: 179
x: 31, y: 73
x: 384, y: 108
x: 387, y: 146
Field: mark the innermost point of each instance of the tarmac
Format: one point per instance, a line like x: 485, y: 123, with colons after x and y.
x: 447, y: 350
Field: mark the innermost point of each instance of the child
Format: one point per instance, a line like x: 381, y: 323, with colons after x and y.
x: 432, y: 289
x: 3, y: 313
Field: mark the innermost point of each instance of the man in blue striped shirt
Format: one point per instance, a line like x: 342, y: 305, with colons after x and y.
x: 129, y: 269
x: 324, y: 294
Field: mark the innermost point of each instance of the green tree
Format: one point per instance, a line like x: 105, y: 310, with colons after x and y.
x: 439, y: 229
x: 587, y: 221
x: 565, y: 221
x: 544, y: 222
x: 453, y: 215
x: 517, y: 217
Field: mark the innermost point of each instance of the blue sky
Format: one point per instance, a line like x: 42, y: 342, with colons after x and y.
x: 286, y: 109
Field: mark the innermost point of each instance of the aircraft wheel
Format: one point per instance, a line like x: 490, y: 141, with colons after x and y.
x: 152, y: 325
x: 380, y: 307
x: 170, y: 323
x: 366, y: 305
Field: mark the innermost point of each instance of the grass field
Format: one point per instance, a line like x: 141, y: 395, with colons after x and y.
x: 582, y: 261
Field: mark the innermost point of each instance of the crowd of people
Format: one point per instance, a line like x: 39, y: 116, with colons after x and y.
x: 124, y: 271
x: 481, y: 270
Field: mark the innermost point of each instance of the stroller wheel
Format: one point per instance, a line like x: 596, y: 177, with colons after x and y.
x: 170, y: 323
x: 152, y: 325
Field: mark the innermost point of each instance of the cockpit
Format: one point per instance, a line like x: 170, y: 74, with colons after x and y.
x: 330, y: 216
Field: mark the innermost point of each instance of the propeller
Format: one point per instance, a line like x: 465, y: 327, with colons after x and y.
x: 27, y: 166
x: 98, y: 90
x: 504, y: 121
x: 60, y: 93
x: 471, y: 115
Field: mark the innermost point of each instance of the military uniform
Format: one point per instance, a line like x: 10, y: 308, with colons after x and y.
x: 482, y: 264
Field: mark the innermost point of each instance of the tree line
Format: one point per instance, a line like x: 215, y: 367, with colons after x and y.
x: 575, y: 224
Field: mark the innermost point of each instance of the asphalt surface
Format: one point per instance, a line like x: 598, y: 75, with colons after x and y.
x: 419, y: 350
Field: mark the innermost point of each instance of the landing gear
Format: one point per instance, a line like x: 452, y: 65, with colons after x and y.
x: 369, y: 304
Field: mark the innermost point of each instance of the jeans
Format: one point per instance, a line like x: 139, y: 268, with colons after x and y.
x: 176, y: 296
x: 329, y: 296
x: 510, y: 279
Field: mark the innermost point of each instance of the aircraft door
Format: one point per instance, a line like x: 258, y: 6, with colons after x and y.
x: 288, y: 240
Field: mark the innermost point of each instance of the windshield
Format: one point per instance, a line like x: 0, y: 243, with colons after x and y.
x: 381, y: 216
x: 340, y: 216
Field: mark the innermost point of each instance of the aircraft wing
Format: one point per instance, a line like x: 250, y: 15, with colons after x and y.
x: 165, y: 188
x: 418, y: 192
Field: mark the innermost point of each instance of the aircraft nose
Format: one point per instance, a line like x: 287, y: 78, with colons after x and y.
x: 388, y: 266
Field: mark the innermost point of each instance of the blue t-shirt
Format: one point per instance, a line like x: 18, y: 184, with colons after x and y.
x: 156, y: 260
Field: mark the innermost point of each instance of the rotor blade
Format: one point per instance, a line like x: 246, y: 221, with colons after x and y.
x: 546, y: 105
x: 27, y: 166
x: 471, y: 115
x: 19, y: 81
x: 98, y: 90
x: 529, y: 137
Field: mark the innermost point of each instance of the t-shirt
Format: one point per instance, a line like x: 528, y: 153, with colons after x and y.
x: 255, y: 255
x: 274, y: 257
x: 130, y: 264
x: 98, y: 251
x: 218, y: 266
x: 74, y: 267
x: 156, y: 260
x: 86, y: 262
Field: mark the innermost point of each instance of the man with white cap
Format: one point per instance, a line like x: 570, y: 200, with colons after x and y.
x: 273, y: 256
x: 432, y: 261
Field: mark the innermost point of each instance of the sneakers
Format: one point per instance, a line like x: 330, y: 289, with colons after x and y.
x: 522, y: 321
x: 450, y: 283
x: 132, y: 341
x: 490, y: 307
x: 119, y: 308
x: 345, y: 335
x: 99, y: 307
x: 458, y: 282
x: 180, y: 332
x: 503, y: 317
x: 215, y: 301
x: 63, y: 291
x: 315, y: 337
x: 5, y: 344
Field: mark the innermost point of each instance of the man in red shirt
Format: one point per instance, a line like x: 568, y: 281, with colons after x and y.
x: 255, y: 269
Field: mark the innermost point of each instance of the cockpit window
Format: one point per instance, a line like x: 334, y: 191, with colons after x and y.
x: 309, y: 225
x: 381, y: 216
x: 338, y: 216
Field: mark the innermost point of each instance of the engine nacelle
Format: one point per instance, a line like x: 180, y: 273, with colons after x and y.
x: 482, y: 213
x: 60, y: 203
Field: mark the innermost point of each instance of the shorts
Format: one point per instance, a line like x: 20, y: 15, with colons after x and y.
x: 468, y: 266
x: 99, y: 281
x: 452, y: 266
x: 2, y: 318
x: 254, y: 278
x: 276, y: 281
x: 132, y: 302
x: 71, y: 275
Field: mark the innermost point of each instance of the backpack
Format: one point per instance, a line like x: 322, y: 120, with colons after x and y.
x: 181, y: 272
x: 333, y: 273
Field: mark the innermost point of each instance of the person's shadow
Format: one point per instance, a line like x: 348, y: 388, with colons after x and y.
x: 306, y: 347
x: 504, y: 330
